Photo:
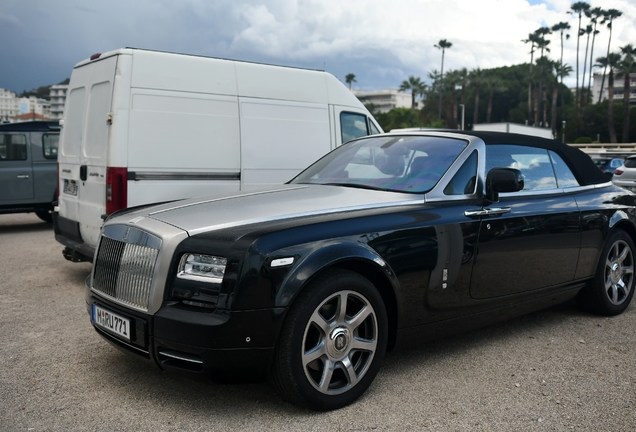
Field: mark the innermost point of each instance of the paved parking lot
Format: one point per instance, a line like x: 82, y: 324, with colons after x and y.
x: 555, y: 370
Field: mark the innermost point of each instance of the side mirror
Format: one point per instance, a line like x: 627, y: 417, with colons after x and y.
x: 502, y: 180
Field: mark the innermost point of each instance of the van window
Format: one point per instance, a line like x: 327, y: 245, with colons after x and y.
x: 49, y: 145
x: 13, y: 147
x: 374, y: 130
x: 353, y: 126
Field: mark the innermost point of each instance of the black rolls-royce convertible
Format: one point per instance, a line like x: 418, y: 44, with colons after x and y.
x: 388, y: 241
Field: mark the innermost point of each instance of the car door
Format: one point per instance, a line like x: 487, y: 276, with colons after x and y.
x: 529, y: 239
x: 16, y: 172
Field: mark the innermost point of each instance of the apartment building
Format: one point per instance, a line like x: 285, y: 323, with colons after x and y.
x: 384, y: 100
x: 618, y: 88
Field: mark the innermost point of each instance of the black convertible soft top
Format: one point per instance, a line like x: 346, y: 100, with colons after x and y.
x: 582, y: 166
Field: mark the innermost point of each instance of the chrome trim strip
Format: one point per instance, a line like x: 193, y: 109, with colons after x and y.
x: 136, y: 176
x: 180, y: 356
x: 282, y: 262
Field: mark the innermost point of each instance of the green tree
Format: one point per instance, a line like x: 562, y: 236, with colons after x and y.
x: 595, y: 14
x: 443, y: 44
x: 612, y: 62
x: 533, y: 39
x: 350, y: 78
x: 561, y: 71
x: 476, y: 77
x: 579, y: 9
x: 584, y: 96
x: 627, y: 66
x: 492, y: 84
x: 415, y: 85
x: 608, y: 17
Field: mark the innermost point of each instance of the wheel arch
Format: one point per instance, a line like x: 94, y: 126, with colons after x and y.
x: 354, y: 257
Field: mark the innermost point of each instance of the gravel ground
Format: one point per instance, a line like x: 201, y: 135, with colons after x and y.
x: 556, y: 370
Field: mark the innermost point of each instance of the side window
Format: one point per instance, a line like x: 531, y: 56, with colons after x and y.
x: 465, y: 180
x: 374, y: 130
x: 13, y: 147
x: 565, y: 178
x: 49, y: 145
x: 353, y: 126
x: 534, y: 163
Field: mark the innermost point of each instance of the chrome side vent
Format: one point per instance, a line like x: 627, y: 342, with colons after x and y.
x: 124, y: 266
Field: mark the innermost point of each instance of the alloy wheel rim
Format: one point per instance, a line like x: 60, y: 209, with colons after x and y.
x: 619, y: 272
x: 340, y: 342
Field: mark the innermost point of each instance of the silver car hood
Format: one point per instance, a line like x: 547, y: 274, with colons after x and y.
x: 284, y: 202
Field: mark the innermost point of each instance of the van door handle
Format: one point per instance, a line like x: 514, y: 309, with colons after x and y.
x: 23, y: 176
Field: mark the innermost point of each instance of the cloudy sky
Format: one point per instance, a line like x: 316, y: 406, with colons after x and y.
x: 381, y: 42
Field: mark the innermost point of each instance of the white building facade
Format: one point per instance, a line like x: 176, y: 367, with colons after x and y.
x: 9, y: 105
x: 58, y: 99
x: 384, y: 100
x: 618, y: 88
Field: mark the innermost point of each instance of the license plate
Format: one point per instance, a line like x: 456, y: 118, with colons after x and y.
x: 70, y: 187
x: 111, y: 321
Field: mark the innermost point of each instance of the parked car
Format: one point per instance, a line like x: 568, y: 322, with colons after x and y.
x: 388, y: 241
x: 608, y: 165
x: 625, y: 175
x: 28, y: 167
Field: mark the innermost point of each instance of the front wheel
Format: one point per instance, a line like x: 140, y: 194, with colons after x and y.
x: 332, y: 343
x: 612, y: 289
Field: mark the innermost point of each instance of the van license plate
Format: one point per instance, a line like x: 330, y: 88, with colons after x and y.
x: 70, y: 188
x: 111, y: 321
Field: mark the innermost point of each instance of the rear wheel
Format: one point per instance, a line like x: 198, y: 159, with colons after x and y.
x: 612, y: 289
x: 332, y: 342
x: 45, y: 215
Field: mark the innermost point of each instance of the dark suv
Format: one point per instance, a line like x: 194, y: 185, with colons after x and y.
x: 28, y: 167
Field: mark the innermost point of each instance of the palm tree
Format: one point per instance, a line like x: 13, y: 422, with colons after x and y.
x: 560, y: 71
x: 612, y: 61
x: 442, y: 44
x: 588, y: 30
x: 561, y: 27
x: 628, y: 66
x: 532, y: 39
x: 493, y: 84
x: 350, y: 78
x: 453, y: 79
x: 578, y: 8
x: 608, y: 17
x: 415, y: 85
x: 476, y: 77
x: 595, y: 14
x: 542, y: 44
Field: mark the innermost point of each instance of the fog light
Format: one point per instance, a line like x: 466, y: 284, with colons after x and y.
x: 202, y: 268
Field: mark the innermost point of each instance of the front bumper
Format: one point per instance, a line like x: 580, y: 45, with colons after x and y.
x: 218, y: 345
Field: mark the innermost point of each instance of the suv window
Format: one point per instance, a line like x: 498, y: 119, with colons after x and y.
x: 49, y: 145
x: 353, y: 126
x: 13, y: 147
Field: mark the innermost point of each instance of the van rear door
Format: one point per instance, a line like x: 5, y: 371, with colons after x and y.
x: 83, y: 146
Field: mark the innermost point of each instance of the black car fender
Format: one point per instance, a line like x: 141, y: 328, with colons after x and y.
x: 346, y: 254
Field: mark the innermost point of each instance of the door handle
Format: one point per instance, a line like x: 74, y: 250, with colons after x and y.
x: 487, y: 212
x: 23, y: 176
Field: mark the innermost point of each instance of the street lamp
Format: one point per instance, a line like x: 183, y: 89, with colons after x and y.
x: 563, y: 132
x: 463, y: 108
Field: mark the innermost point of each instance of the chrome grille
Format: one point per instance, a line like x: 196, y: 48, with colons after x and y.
x: 124, y: 266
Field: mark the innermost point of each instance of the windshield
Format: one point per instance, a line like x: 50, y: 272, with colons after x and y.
x: 394, y: 163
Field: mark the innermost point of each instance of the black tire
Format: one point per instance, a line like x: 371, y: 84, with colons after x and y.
x: 612, y: 288
x: 319, y: 344
x: 45, y: 215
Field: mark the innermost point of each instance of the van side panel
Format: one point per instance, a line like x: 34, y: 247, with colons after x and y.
x: 279, y: 139
x: 282, y: 83
x: 194, y: 142
x: 183, y: 73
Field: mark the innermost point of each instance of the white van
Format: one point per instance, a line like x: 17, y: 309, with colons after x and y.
x: 144, y: 126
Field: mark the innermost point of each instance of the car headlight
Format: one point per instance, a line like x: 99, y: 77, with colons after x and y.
x: 202, y: 268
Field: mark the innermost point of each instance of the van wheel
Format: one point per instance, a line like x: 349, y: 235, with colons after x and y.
x: 332, y: 342
x: 612, y: 288
x: 46, y: 216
